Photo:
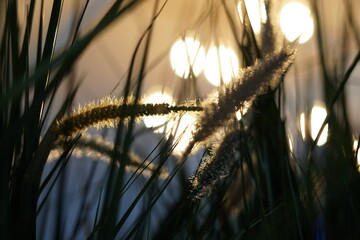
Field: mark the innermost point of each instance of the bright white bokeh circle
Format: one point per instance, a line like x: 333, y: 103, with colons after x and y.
x: 181, y: 130
x: 156, y: 121
x: 186, y: 55
x: 318, y: 115
x: 256, y: 11
x: 221, y: 64
x: 178, y: 127
x: 296, y: 22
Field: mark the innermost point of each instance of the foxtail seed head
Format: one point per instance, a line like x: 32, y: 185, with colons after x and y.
x: 216, y: 166
x: 108, y: 112
x: 251, y: 82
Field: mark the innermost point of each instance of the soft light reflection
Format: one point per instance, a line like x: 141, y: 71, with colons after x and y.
x: 302, y: 125
x: 181, y: 129
x: 318, y: 115
x: 240, y: 113
x: 355, y: 147
x: 256, y: 11
x: 296, y: 21
x: 186, y: 56
x: 221, y: 64
x: 355, y: 144
x: 156, y: 121
x: 291, y: 146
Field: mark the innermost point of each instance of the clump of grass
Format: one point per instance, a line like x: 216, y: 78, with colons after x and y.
x: 328, y: 191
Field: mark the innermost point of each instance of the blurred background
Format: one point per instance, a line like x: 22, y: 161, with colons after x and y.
x: 198, y: 34
x: 193, y: 50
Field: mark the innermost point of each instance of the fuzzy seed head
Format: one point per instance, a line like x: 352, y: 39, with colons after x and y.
x: 108, y: 112
x: 251, y: 82
x: 216, y: 166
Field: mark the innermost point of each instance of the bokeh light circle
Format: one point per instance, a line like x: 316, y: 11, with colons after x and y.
x: 181, y: 130
x: 296, y: 22
x: 186, y: 55
x: 256, y: 11
x: 156, y: 121
x: 221, y: 64
x: 318, y: 115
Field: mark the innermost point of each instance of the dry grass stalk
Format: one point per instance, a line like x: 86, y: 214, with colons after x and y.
x: 108, y: 111
x: 216, y: 166
x: 253, y: 81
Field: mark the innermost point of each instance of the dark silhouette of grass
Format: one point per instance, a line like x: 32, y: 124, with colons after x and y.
x: 249, y: 184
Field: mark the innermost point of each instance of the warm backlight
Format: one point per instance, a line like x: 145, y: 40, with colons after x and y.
x: 296, y: 22
x: 302, y: 125
x: 178, y: 127
x: 186, y: 56
x: 181, y: 130
x: 318, y: 115
x: 221, y: 65
x: 355, y: 147
x: 256, y: 12
x: 156, y: 121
